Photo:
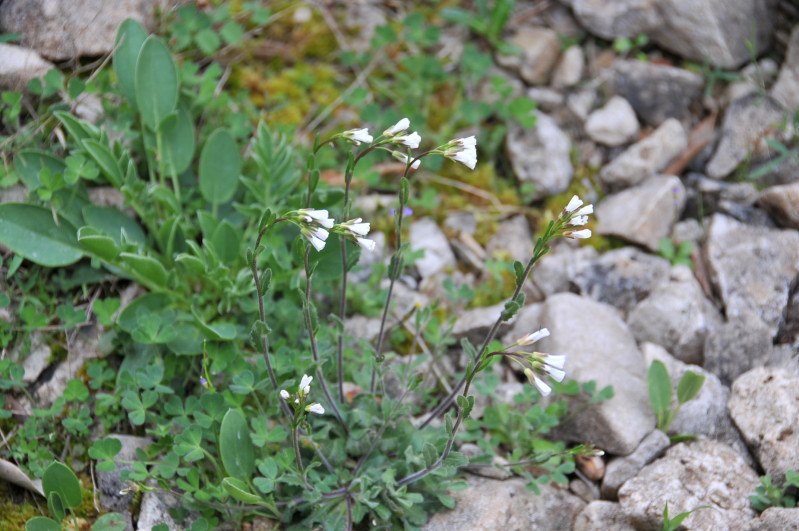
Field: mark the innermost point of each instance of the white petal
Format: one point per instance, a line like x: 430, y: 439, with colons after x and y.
x: 400, y: 126
x: 316, y: 242
x: 412, y: 140
x: 284, y: 394
x: 361, y: 229
x: 542, y: 386
x: 557, y: 361
x: 468, y: 142
x: 580, y: 234
x: 532, y: 337
x: 578, y: 221
x: 556, y: 374
x: 587, y: 209
x: 367, y: 243
x: 317, y: 214
x: 321, y: 233
x: 573, y: 205
x: 315, y: 408
x: 305, y: 381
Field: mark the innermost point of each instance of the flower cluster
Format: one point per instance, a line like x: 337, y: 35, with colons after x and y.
x: 316, y: 226
x: 303, y: 390
x: 537, y: 365
x: 577, y: 218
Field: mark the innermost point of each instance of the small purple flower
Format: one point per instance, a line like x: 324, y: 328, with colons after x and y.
x: 406, y: 211
x: 203, y: 380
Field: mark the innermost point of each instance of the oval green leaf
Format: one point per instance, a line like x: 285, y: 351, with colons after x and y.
x: 177, y: 141
x: 148, y: 270
x: 239, y: 490
x: 77, y: 128
x: 220, y: 166
x: 659, y: 387
x: 105, y: 159
x: 130, y: 38
x: 155, y: 82
x: 689, y: 386
x: 60, y: 479
x: 42, y: 523
x: 109, y: 522
x: 111, y: 222
x: 226, y: 242
x: 235, y: 446
x: 97, y: 244
x: 31, y: 232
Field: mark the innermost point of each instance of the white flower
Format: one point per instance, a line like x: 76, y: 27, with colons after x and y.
x: 587, y: 209
x: 367, y: 243
x: 412, y: 140
x: 316, y: 242
x: 467, y: 157
x: 305, y: 384
x: 578, y: 221
x: 556, y: 374
x: 284, y: 394
x: 555, y: 360
x: 463, y: 150
x: 357, y: 226
x: 404, y: 158
x: 321, y: 233
x: 538, y: 382
x: 399, y: 127
x: 319, y: 216
x: 573, y: 205
x: 315, y: 408
x: 579, y: 234
x: 357, y: 136
x: 532, y: 337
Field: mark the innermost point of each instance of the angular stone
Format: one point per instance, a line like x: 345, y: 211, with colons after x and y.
x: 513, y: 239
x: 540, y: 51
x: 603, y: 514
x: 786, y: 89
x: 706, y: 413
x: 782, y: 202
x: 743, y: 342
x: 474, y: 324
x: 764, y: 404
x: 66, y: 30
x: 748, y: 123
x: 488, y: 505
x: 622, y: 277
x: 541, y: 155
x: 84, y: 346
x: 558, y: 269
x: 621, y: 469
x: 109, y: 484
x: 782, y: 518
x: 691, y: 474
x: 646, y: 157
x: 615, y: 19
x: 425, y: 235
x: 676, y: 316
x: 19, y: 65
x: 643, y: 214
x: 570, y: 68
x: 154, y: 509
x: 614, y: 124
x: 35, y: 361
x: 760, y: 284
x: 657, y: 92
x: 598, y: 346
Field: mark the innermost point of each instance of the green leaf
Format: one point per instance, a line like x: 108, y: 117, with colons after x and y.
x: 155, y: 82
x: 146, y: 268
x: 111, y: 222
x: 109, y: 522
x: 28, y: 164
x: 226, y: 242
x: 232, y: 32
x: 430, y: 454
x: 31, y: 232
x: 218, y: 331
x: 56, y: 505
x: 77, y: 128
x: 97, y: 244
x: 689, y: 386
x: 177, y: 141
x: 58, y: 478
x: 220, y: 166
x: 235, y: 446
x: 239, y: 490
x: 131, y: 34
x: 106, y: 160
x: 659, y: 387
x: 42, y: 523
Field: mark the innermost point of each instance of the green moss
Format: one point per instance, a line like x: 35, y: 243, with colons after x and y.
x: 16, y: 507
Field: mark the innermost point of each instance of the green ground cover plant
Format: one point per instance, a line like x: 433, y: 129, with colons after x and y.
x: 233, y: 358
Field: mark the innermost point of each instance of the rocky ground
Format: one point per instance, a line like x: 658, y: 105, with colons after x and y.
x: 673, y: 161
